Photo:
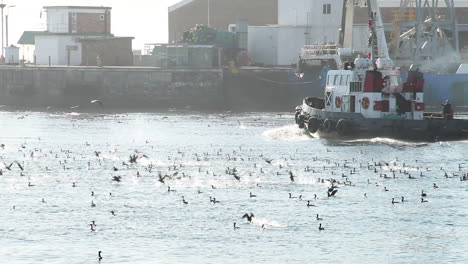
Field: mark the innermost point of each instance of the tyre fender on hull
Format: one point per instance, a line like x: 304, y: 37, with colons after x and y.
x: 343, y: 127
x: 301, y: 124
x: 296, y: 117
x: 313, y: 124
x: 299, y: 120
x: 327, y: 125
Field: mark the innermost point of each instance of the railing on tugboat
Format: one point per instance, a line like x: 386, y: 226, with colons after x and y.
x: 320, y: 50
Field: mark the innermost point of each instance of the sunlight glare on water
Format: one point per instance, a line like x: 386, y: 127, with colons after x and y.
x: 67, y: 157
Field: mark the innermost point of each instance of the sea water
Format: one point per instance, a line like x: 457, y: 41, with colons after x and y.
x: 46, y: 208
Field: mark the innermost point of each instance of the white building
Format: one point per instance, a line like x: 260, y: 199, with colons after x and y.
x: 302, y: 22
x: 61, y: 43
x: 60, y: 49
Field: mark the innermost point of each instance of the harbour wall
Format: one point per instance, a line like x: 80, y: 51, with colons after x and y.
x: 129, y: 88
x: 267, y: 89
x: 150, y: 88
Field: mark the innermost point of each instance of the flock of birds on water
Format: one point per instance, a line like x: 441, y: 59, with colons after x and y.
x: 334, y: 175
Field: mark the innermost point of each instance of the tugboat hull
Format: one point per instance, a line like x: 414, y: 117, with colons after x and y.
x: 339, y: 125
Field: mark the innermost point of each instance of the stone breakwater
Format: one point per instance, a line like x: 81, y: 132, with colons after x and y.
x: 149, y: 88
x: 116, y: 87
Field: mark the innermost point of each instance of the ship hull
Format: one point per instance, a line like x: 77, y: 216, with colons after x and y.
x: 346, y: 126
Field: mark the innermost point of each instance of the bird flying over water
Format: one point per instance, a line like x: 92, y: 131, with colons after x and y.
x: 8, y: 167
x: 19, y: 165
x: 99, y: 102
x: 249, y: 217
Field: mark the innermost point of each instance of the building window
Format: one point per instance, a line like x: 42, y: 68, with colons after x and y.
x: 326, y: 9
x: 101, y: 17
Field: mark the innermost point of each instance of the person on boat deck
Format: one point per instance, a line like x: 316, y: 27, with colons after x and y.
x: 447, y: 110
x: 418, y: 74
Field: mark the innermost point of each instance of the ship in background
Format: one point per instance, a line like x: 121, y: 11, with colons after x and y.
x: 424, y: 35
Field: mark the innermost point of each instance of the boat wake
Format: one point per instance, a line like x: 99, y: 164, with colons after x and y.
x: 288, y: 133
x: 267, y: 223
x: 242, y: 126
x: 385, y: 141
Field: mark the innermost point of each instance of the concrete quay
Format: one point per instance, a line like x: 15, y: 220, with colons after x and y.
x: 137, y: 88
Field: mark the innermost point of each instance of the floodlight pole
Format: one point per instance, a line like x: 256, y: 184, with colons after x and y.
x: 2, y: 6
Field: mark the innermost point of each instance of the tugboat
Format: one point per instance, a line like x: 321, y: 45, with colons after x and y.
x: 367, y: 98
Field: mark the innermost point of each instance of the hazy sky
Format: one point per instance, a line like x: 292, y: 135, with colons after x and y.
x: 146, y: 20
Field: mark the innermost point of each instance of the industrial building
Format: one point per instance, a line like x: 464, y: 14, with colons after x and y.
x: 79, y: 35
x: 305, y: 22
x: 278, y: 29
x: 219, y: 14
x: 299, y: 22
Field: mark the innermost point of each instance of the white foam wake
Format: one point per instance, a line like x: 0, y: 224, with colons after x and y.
x: 267, y: 223
x: 287, y: 133
x: 389, y: 141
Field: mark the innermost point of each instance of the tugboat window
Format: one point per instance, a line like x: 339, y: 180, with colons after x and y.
x: 394, y: 81
x: 344, y: 79
x: 337, y: 79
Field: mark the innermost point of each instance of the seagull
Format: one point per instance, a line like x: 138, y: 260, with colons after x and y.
x: 161, y: 178
x: 19, y: 165
x: 116, y: 178
x: 97, y: 102
x: 213, y: 200
x: 8, y: 167
x: 332, y: 192
x: 249, y: 217
x: 74, y: 107
x: 183, y: 200
x: 291, y: 176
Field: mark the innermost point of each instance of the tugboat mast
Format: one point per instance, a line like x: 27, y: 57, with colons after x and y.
x: 377, y: 40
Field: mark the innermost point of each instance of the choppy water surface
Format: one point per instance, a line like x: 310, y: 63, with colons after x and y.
x: 198, y: 153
